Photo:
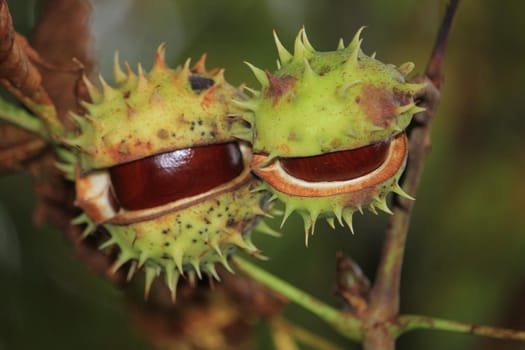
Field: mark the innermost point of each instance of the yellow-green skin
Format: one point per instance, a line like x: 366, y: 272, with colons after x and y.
x: 147, y: 114
x: 191, y: 239
x: 320, y: 102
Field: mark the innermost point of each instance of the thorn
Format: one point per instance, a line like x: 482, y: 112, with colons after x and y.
x: 342, y: 91
x: 417, y: 109
x: 217, y: 249
x: 123, y: 258
x: 307, y: 227
x: 88, y: 230
x: 284, y: 55
x: 94, y: 94
x: 107, y: 244
x: 271, y: 199
x: 107, y: 90
x: 259, y: 188
x: 260, y: 75
x: 129, y: 71
x: 151, y: 272
x: 197, y: 268
x: 306, y: 42
x: 405, y: 108
x: 257, y: 210
x: 159, y: 63
x: 226, y: 264
x: 360, y: 209
x: 142, y: 258
x: 372, y: 208
x: 250, y: 105
x: 331, y: 222
x: 309, y: 73
x: 200, y: 66
x: 313, y: 217
x: 355, y: 44
x: 399, y: 191
x: 79, y: 120
x: 413, y: 88
x: 348, y: 218
x: 249, y: 118
x: 237, y: 239
x: 278, y: 64
x: 118, y: 74
x: 177, y: 255
x: 300, y: 51
x: 212, y: 271
x: 219, y: 77
x: 131, y: 271
x: 353, y: 60
x: 381, y: 204
x: 406, y: 68
x: 263, y: 228
x: 253, y: 92
x: 171, y: 278
x: 288, y: 209
x: 64, y: 167
x: 66, y: 155
x: 143, y: 81
x: 373, y: 56
x: 341, y: 44
x: 338, y: 212
x: 186, y: 67
x: 81, y: 219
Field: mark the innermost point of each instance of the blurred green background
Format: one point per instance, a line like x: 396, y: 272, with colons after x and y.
x: 466, y: 249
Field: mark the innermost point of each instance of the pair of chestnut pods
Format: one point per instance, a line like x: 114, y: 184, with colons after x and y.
x: 182, y: 173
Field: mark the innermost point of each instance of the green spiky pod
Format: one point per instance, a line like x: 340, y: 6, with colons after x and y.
x: 188, y: 241
x: 145, y: 114
x: 321, y: 103
x: 151, y: 120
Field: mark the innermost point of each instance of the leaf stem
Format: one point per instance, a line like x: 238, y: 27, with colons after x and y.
x: 384, y: 296
x: 21, y: 118
x: 407, y: 323
x: 345, y: 323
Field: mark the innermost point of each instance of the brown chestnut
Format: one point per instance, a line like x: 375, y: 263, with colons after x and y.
x: 337, y: 166
x: 170, y: 176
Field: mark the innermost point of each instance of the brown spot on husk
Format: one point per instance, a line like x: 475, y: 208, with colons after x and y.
x: 379, y: 104
x: 162, y: 134
x: 279, y: 86
x: 403, y: 98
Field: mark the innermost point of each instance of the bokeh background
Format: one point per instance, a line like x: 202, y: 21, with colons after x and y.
x: 466, y: 249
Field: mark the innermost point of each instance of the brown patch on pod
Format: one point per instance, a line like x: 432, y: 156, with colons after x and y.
x: 279, y: 86
x: 379, y: 104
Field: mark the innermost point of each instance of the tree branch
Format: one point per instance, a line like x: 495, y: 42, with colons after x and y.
x: 384, y: 296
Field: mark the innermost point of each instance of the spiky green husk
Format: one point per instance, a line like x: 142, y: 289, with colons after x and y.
x: 320, y: 102
x: 147, y: 114
x: 339, y: 207
x: 191, y: 240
